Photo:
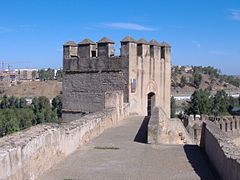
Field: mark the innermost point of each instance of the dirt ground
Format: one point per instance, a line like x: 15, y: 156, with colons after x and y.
x: 49, y: 89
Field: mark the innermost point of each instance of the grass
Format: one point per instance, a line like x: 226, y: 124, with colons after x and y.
x: 105, y: 148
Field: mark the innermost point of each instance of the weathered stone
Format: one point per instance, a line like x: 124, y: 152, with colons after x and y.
x: 223, y: 154
x: 28, y: 153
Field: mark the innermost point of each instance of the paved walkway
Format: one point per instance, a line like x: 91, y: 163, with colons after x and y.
x: 133, y: 160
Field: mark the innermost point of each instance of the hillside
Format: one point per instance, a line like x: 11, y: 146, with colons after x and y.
x: 186, y: 80
x: 34, y: 88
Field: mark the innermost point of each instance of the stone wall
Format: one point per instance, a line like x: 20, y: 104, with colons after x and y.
x: 27, y: 154
x: 228, y: 124
x: 223, y: 154
x: 162, y: 129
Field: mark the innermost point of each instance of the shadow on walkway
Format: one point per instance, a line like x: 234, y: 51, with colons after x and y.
x: 200, y: 163
x: 141, y: 136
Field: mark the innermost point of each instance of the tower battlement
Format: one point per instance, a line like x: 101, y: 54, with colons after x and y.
x: 105, y: 48
x: 101, y: 55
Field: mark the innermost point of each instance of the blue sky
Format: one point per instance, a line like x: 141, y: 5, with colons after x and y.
x: 201, y: 32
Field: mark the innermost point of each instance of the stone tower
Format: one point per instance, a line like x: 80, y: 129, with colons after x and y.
x: 142, y: 72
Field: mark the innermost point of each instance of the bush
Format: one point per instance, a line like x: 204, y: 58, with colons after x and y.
x: 16, y: 115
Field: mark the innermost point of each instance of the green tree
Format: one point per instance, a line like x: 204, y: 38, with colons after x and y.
x: 197, y: 79
x: 183, y: 81
x: 59, y: 75
x: 173, y: 107
x: 200, y: 103
x: 43, y: 110
x: 34, y: 75
x: 57, y: 104
x: 222, y: 103
x: 25, y: 117
x: 8, y: 122
x: 4, y: 102
x: 11, y: 102
x: 22, y: 103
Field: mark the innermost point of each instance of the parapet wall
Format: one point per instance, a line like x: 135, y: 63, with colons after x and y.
x: 162, y: 129
x: 228, y: 124
x: 224, y: 155
x: 27, y: 154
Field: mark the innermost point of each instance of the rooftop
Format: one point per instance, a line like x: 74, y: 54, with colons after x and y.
x: 154, y: 43
x: 70, y: 43
x: 105, y: 40
x: 142, y: 41
x: 86, y: 41
x: 165, y: 44
x: 128, y: 39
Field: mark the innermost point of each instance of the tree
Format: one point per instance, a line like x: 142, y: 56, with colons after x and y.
x: 11, y: 102
x: 46, y: 74
x: 8, y: 122
x: 219, y: 104
x: 25, y: 117
x: 59, y: 75
x: 22, y: 103
x: 16, y: 115
x: 34, y: 75
x: 173, y: 107
x: 183, y: 81
x: 4, y: 102
x: 222, y: 103
x: 43, y: 110
x: 200, y: 103
x: 57, y: 104
x: 197, y: 79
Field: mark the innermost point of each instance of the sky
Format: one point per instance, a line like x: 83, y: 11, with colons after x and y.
x: 201, y: 32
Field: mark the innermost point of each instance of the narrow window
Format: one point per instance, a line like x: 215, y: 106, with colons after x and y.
x: 94, y: 54
x: 163, y: 52
x: 195, y: 134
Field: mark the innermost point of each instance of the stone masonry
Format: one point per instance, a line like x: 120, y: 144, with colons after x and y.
x: 142, y: 72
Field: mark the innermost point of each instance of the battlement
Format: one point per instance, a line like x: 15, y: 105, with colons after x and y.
x: 105, y: 48
x: 227, y: 124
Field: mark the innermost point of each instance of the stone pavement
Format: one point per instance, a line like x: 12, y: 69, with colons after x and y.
x: 134, y: 160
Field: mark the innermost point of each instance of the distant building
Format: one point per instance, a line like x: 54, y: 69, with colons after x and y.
x: 26, y: 74
x: 188, y: 68
x: 9, y: 77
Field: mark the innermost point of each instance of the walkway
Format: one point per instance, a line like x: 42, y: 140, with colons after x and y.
x: 133, y: 160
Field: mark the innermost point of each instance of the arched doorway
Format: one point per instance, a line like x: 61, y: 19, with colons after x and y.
x: 150, y: 103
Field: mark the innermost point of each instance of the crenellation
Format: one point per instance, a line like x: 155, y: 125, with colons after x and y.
x: 86, y: 49
x: 227, y: 124
x: 105, y: 47
x: 70, y: 49
x: 143, y: 48
x: 128, y: 46
x: 155, y: 49
x: 165, y: 50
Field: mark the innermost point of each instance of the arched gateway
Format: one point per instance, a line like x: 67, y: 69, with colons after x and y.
x: 150, y: 103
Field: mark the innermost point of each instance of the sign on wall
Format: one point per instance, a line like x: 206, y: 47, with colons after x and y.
x: 133, y: 85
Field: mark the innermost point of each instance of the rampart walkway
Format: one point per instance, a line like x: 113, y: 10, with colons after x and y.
x: 133, y: 160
